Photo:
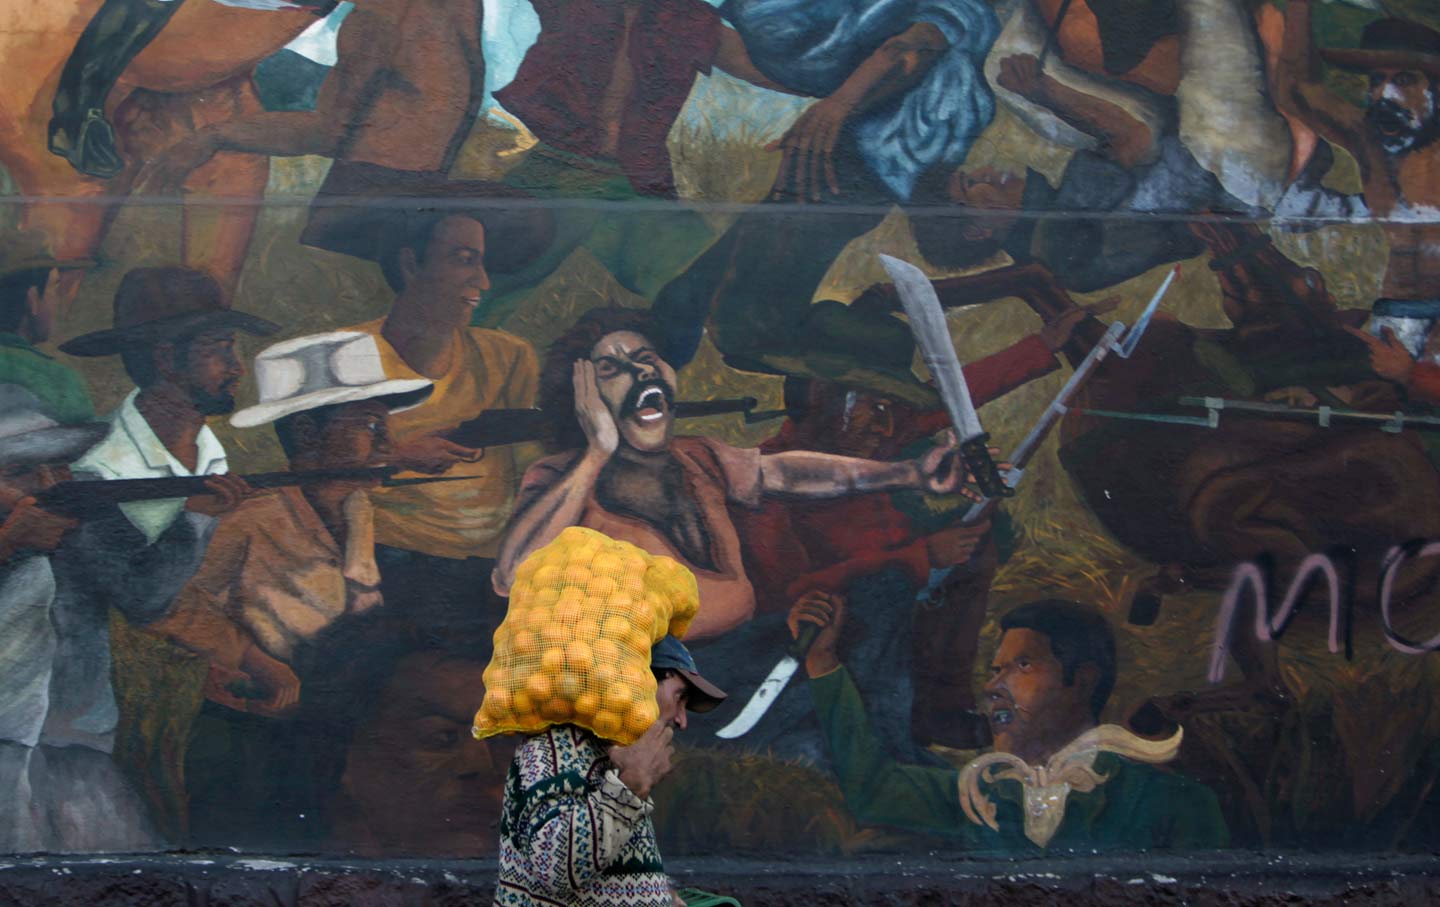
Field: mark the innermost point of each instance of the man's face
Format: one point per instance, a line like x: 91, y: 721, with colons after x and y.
x: 1026, y: 697
x: 209, y: 368
x: 673, y: 695
x: 356, y: 436
x: 421, y: 784
x: 1402, y: 108
x: 996, y: 195
x: 638, y: 388
x: 859, y: 424
x: 448, y: 280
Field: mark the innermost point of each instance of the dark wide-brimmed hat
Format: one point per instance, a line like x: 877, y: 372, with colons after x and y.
x: 1390, y: 44
x: 835, y: 345
x: 160, y: 305
x: 369, y: 212
x: 30, y: 436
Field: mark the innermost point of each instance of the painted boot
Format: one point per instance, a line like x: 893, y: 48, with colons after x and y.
x: 79, y: 131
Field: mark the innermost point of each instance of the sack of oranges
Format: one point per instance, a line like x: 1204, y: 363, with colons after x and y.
x: 574, y: 647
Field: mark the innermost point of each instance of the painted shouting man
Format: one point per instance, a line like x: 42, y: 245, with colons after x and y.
x: 622, y: 471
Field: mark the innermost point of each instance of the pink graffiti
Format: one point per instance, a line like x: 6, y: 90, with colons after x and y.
x: 1251, y: 578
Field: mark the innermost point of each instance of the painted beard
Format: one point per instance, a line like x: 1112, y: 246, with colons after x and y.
x: 217, y: 403
x: 1400, y: 130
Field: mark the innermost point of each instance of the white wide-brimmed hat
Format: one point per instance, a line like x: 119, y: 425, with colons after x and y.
x: 30, y: 436
x: 325, y: 370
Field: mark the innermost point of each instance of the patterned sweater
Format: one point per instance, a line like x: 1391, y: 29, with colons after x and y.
x: 571, y: 834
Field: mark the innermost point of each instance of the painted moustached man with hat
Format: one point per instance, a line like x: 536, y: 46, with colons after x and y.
x: 436, y: 241
x: 60, y: 790
x: 1393, y: 138
x: 282, y: 570
x: 177, y: 340
x: 566, y: 785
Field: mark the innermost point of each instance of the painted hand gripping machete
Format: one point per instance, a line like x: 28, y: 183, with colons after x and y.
x: 916, y: 293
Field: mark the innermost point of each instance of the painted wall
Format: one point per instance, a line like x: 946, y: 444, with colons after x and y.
x: 1227, y: 521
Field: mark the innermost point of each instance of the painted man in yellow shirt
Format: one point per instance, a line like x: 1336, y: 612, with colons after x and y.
x: 436, y: 544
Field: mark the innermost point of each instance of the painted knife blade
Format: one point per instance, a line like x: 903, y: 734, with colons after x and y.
x: 932, y: 336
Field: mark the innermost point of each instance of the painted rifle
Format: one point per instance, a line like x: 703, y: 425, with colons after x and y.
x: 498, y: 427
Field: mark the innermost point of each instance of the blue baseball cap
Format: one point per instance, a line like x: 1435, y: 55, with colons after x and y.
x: 670, y: 654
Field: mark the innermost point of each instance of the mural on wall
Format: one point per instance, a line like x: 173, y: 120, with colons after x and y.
x: 1040, y: 392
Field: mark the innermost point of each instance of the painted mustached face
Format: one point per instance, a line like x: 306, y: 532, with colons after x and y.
x: 638, y: 388
x: 1402, y: 109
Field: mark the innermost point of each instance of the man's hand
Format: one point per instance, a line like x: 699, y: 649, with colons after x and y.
x: 643, y: 763
x: 594, y: 416
x: 1022, y: 74
x: 226, y: 493
x: 955, y: 545
x: 262, y: 686
x: 1058, y: 330
x: 826, y: 612
x: 941, y: 470
x: 30, y: 528
x: 431, y: 454
x: 807, y: 149
x: 1388, y: 356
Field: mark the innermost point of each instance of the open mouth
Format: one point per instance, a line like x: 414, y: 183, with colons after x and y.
x: 650, y: 406
x: 471, y: 299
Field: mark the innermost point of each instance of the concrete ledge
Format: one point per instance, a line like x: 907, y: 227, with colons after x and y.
x: 1233, y: 880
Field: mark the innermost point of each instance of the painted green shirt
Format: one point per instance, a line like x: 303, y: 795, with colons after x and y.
x: 1139, y: 807
x: 58, y: 386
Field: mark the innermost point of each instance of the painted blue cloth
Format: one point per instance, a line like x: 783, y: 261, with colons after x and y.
x: 812, y: 46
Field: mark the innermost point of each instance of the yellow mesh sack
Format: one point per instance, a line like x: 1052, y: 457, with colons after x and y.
x: 574, y: 647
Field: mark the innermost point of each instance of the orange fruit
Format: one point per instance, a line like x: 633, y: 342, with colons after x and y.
x: 586, y: 705
x: 546, y: 577
x: 607, y: 724
x: 525, y: 643
x: 615, y: 627
x: 522, y: 704
x: 540, y: 687
x: 557, y: 710
x: 552, y: 660
x: 601, y: 587
x: 570, y: 595
x: 640, y: 640
x: 587, y: 629
x: 608, y: 563
x: 554, y: 633
x: 633, y: 585
x: 603, y: 674
x: 579, y: 656
x: 545, y: 596
x: 576, y: 574
x: 569, y: 612
x: 607, y: 651
x: 569, y: 686
x: 619, y: 695
x: 499, y: 701
x: 639, y: 717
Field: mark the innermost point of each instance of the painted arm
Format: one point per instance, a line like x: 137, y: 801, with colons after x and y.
x: 538, y: 521
x: 1125, y: 139
x: 807, y: 474
x: 364, y: 52
x: 1300, y: 90
x: 733, y: 57
x: 894, y: 68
